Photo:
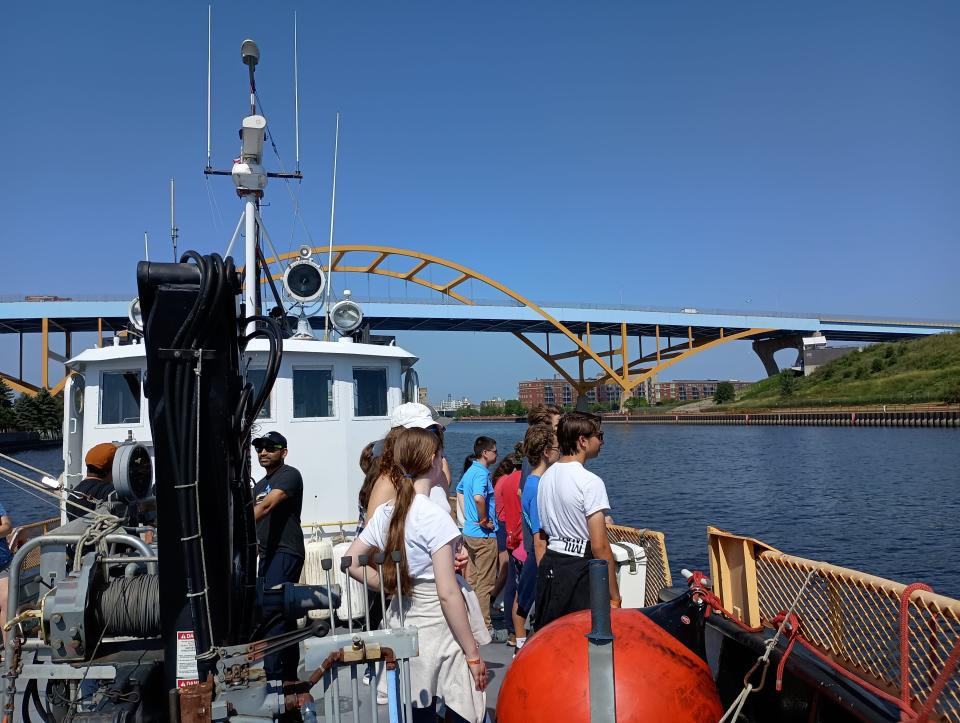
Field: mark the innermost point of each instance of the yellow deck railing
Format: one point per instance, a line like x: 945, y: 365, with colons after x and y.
x: 21, y: 534
x: 852, y: 618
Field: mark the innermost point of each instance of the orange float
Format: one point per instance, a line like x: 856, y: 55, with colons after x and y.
x: 657, y: 678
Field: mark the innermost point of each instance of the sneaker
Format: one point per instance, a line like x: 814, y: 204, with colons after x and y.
x: 498, y: 636
x: 511, y: 640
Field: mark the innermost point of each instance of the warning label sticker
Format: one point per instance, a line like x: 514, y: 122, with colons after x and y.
x: 186, y: 659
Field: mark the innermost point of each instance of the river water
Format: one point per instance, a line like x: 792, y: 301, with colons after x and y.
x: 879, y: 500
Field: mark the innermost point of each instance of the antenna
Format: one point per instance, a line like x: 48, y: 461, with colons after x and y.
x: 209, y: 72
x: 174, y: 231
x: 296, y: 93
x: 333, y: 208
x: 146, y: 247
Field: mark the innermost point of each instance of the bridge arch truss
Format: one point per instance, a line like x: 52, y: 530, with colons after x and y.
x: 620, y: 362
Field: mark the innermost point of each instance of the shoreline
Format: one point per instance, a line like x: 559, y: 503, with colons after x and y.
x: 811, y: 418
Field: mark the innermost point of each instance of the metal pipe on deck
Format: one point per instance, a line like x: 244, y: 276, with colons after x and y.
x: 603, y: 703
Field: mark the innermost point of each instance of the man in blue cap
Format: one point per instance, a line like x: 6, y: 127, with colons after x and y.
x: 278, y: 502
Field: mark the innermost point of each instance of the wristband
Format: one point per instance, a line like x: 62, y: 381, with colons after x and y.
x: 475, y: 661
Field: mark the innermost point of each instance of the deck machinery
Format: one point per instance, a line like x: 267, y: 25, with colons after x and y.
x: 115, y: 621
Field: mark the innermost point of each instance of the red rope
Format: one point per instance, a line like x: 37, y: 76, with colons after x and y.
x: 905, y: 639
x: 853, y: 677
x: 792, y: 627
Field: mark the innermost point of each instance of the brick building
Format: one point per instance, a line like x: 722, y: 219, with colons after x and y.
x: 690, y: 390
x: 560, y: 392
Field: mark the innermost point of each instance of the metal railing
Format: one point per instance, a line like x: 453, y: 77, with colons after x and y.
x: 856, y: 620
x: 895, y: 638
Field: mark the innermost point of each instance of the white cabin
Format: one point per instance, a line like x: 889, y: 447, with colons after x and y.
x: 330, y: 399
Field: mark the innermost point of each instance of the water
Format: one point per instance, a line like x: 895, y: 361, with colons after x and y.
x: 879, y: 500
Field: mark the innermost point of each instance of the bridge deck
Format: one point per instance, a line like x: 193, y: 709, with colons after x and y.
x: 87, y: 316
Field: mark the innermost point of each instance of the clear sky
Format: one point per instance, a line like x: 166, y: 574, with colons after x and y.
x: 755, y: 155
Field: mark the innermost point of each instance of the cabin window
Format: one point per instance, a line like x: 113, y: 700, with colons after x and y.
x: 369, y: 392
x: 312, y: 393
x: 120, y: 397
x: 256, y: 378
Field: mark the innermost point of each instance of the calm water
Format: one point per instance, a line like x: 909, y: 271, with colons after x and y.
x: 884, y: 501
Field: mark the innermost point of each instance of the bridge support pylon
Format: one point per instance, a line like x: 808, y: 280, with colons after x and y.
x: 766, y: 348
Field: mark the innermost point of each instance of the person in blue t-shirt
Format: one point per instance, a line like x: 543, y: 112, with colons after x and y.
x: 480, y: 522
x: 541, y: 450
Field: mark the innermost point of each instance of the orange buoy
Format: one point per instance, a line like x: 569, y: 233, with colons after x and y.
x: 657, y: 678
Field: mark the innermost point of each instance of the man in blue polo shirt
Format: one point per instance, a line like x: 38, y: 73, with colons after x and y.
x: 480, y: 522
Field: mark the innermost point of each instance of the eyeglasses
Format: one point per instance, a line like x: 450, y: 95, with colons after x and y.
x: 268, y: 448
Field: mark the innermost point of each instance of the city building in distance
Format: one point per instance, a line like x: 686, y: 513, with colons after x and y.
x: 451, y: 405
x: 688, y: 390
x: 560, y: 392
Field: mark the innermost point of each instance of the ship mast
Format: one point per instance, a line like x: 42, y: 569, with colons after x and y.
x: 250, y: 179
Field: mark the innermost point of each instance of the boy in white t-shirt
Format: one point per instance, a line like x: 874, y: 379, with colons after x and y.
x: 572, y: 503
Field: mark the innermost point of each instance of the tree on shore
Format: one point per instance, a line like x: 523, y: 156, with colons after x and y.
x: 8, y: 419
x: 725, y: 393
x: 41, y: 413
x: 787, y: 383
x: 514, y: 408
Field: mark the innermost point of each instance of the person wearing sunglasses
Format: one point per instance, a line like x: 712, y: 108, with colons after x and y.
x: 572, y: 503
x: 278, y: 503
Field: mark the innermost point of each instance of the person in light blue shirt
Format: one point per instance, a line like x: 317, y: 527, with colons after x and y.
x: 480, y: 522
x: 540, y: 446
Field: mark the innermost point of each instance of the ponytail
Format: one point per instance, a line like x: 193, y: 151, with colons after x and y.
x: 413, y: 454
x: 395, y: 541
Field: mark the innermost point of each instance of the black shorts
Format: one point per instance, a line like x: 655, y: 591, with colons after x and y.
x: 563, y: 586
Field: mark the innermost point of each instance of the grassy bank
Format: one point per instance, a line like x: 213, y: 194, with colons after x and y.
x: 905, y: 372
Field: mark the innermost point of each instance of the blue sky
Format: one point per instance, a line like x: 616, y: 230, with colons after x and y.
x: 749, y: 156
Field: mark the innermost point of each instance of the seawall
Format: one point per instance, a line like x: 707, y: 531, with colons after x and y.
x: 942, y: 418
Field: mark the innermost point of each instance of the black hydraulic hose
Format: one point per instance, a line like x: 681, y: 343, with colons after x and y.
x: 245, y: 417
x: 179, y: 395
x: 180, y: 387
x: 31, y: 694
x: 264, y: 626
x: 271, y: 333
